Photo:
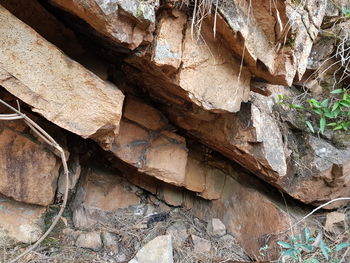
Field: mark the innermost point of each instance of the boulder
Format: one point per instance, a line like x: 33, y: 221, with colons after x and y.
x: 128, y: 23
x: 19, y: 222
x: 157, y: 250
x: 55, y: 86
x: 28, y: 169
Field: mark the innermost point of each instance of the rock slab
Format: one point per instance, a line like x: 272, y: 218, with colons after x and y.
x: 157, y: 250
x: 58, y: 88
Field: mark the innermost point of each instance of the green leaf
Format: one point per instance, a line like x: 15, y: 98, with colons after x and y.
x: 337, y: 91
x: 324, y: 249
x: 339, y: 127
x: 341, y: 246
x: 296, y: 106
x: 308, y: 248
x: 335, y: 106
x: 345, y: 103
x: 332, y: 124
x: 322, y: 124
x: 311, y: 260
x: 314, y: 103
x: 317, y: 111
x: 307, y: 232
x: 284, y: 244
x: 324, y: 103
x: 290, y: 253
x: 309, y: 125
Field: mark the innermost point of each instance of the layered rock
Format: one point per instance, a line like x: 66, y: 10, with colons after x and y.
x: 128, y: 23
x: 28, y: 170
x: 190, y: 70
x: 285, y: 33
x: 58, y: 88
x: 145, y: 141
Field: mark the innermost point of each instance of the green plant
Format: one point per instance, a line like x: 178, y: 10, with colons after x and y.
x: 346, y: 12
x: 305, y: 246
x: 333, y: 112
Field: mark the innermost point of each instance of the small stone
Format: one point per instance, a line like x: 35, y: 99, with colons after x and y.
x: 201, y: 245
x: 120, y: 258
x: 91, y: 240
x: 110, y: 242
x: 178, y: 232
x: 159, y: 250
x: 216, y: 228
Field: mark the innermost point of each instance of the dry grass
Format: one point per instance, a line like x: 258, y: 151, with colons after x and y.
x: 59, y: 246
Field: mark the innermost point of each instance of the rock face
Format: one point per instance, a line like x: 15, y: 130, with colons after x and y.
x: 157, y: 250
x: 100, y: 191
x: 187, y: 70
x: 146, y: 142
x: 128, y: 23
x: 285, y: 35
x: 54, y: 85
x: 28, y: 170
x: 20, y: 222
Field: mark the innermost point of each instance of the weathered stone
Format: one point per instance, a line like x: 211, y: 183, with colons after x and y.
x: 325, y: 170
x: 285, y: 35
x: 58, y: 88
x: 168, y: 45
x: 129, y: 23
x: 33, y: 14
x: 157, y: 250
x: 178, y: 232
x: 239, y: 207
x: 209, y: 76
x: 28, y: 170
x: 250, y: 137
x: 100, y: 191
x: 20, y: 222
x: 216, y: 228
x: 110, y: 242
x: 91, y: 240
x: 145, y: 142
x: 200, y: 245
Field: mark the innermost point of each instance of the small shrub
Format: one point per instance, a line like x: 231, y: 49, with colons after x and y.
x: 332, y: 112
x: 308, y: 248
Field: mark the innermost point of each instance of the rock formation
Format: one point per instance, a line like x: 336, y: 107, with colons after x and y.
x: 182, y: 101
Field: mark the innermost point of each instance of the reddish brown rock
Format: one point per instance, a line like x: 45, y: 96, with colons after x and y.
x: 100, y: 191
x: 183, y: 69
x: 145, y: 142
x: 28, y: 170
